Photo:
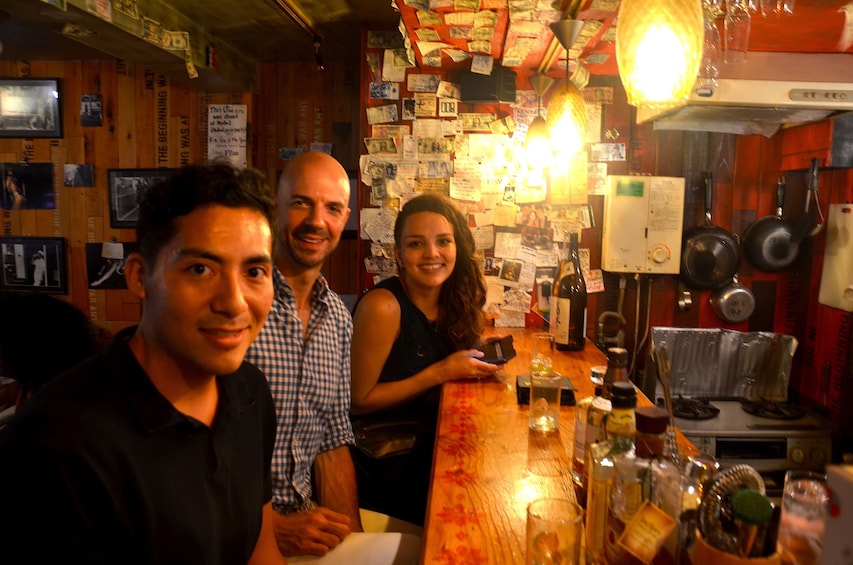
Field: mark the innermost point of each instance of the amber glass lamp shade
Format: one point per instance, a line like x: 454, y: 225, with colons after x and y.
x: 537, y: 145
x: 659, y: 49
x: 567, y: 119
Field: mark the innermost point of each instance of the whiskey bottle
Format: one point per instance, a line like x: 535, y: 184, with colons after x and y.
x: 588, y: 429
x: 621, y: 428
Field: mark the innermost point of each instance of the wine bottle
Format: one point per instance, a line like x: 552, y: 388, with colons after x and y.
x: 570, y: 309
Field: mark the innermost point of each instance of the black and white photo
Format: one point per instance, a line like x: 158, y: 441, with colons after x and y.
x: 105, y: 264
x: 78, y: 174
x: 30, y: 108
x: 91, y: 110
x: 127, y: 187
x: 33, y: 264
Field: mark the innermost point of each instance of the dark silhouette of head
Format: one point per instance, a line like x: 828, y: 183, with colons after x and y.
x: 40, y: 337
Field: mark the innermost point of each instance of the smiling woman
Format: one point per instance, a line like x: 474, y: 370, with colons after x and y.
x: 410, y: 334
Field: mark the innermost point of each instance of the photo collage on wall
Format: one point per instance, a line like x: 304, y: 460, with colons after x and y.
x: 520, y: 217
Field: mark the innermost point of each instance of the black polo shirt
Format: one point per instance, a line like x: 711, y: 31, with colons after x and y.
x: 100, y: 468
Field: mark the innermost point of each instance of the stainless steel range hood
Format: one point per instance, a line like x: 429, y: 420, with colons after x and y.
x: 767, y: 91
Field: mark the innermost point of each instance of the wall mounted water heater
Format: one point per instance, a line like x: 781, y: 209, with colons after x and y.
x: 643, y: 219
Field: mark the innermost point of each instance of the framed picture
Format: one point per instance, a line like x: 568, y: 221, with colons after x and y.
x: 34, y: 264
x: 127, y: 187
x: 30, y: 107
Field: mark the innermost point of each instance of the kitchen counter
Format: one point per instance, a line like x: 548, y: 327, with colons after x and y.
x: 487, y: 466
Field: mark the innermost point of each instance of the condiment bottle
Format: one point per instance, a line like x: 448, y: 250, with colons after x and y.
x: 586, y: 433
x: 617, y: 369
x: 620, y: 429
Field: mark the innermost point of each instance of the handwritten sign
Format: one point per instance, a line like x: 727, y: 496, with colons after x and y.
x: 226, y: 133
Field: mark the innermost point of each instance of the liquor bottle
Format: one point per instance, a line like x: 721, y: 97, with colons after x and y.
x: 570, y: 308
x: 587, y: 432
x: 617, y: 369
x: 634, y: 473
x: 621, y: 428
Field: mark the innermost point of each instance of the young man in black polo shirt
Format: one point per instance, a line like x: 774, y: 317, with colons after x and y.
x: 158, y: 450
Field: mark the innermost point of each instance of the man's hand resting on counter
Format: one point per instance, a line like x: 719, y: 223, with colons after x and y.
x: 311, y: 532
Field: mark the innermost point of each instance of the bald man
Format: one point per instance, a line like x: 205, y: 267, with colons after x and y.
x: 304, y: 351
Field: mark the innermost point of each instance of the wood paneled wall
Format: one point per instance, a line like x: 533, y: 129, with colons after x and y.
x: 148, y: 122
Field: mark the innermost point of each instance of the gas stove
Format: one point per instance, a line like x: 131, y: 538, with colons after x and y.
x: 773, y: 439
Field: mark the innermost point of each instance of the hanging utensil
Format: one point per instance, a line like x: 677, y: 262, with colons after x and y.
x: 807, y: 230
x: 771, y: 243
x: 665, y: 378
x: 734, y: 302
x: 711, y: 254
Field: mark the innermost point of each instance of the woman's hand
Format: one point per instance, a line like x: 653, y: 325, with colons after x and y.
x: 466, y: 364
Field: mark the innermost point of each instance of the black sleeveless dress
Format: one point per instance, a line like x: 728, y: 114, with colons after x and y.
x: 398, y: 485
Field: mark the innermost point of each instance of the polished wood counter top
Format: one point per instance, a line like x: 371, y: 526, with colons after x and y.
x: 488, y: 466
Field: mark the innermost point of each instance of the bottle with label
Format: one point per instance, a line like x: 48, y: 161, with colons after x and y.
x: 586, y: 433
x: 620, y: 428
x: 633, y: 485
x: 617, y: 369
x: 568, y: 308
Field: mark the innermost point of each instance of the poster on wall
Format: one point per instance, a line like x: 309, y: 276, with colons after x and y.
x: 226, y: 133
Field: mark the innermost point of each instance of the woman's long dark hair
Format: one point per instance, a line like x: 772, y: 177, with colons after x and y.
x: 462, y: 295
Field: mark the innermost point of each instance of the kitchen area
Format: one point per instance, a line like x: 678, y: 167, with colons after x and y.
x: 741, y: 267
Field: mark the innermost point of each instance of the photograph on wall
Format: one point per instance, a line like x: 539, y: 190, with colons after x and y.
x: 127, y: 187
x: 105, y: 263
x: 27, y: 186
x: 91, y: 110
x: 78, y: 174
x: 30, y: 108
x: 33, y: 264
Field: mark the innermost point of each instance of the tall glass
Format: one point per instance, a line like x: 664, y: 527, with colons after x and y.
x: 541, y: 353
x: 737, y: 25
x: 802, y: 524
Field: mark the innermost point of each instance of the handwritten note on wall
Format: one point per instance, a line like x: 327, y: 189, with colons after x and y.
x: 226, y: 133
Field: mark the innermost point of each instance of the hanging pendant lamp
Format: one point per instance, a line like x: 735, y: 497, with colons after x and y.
x: 537, y: 145
x: 567, y: 118
x: 567, y: 109
x: 659, y: 49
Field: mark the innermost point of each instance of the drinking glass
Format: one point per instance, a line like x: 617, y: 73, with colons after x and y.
x: 554, y: 530
x: 777, y: 7
x: 737, y: 24
x: 545, y: 401
x: 541, y: 353
x: 805, y: 503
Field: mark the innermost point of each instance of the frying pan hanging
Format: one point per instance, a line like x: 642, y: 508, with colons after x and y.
x: 772, y: 243
x: 711, y: 255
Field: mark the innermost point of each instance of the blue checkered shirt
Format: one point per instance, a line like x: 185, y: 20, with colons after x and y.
x: 310, y: 383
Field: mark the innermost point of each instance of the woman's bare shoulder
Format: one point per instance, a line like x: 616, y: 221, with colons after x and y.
x: 379, y: 302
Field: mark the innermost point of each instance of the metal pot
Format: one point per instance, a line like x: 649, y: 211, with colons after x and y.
x: 711, y: 255
x: 734, y: 302
x: 772, y: 243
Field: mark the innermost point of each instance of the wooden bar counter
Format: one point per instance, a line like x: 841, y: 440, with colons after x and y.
x: 488, y: 466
